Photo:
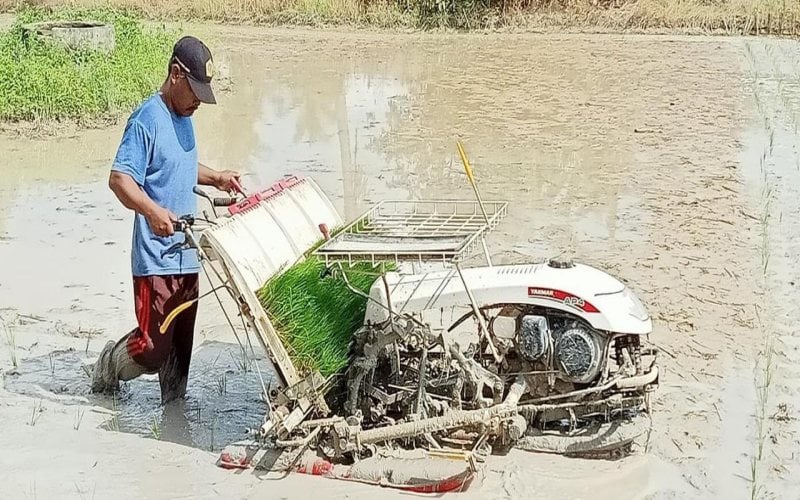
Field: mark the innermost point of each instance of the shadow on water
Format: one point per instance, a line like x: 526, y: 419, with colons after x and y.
x: 223, y: 395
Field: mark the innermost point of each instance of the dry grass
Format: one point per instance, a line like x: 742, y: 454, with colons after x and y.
x: 308, y: 12
x: 723, y: 16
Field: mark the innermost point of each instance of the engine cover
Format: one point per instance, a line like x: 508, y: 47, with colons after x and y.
x: 533, y: 337
x: 577, y: 354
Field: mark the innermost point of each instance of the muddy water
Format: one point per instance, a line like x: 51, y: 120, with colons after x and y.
x: 772, y: 166
x: 222, y: 403
x: 633, y: 154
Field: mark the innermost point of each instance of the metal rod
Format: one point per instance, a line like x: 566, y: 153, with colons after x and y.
x: 484, y: 331
x: 422, y: 374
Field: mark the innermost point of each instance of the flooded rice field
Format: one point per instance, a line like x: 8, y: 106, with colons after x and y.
x: 670, y: 162
x: 222, y: 403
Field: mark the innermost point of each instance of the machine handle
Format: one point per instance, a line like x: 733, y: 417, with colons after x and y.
x: 223, y: 202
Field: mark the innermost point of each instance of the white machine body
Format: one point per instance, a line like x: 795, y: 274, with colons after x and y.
x: 601, y: 300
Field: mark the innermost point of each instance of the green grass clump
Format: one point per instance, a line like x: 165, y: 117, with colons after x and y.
x: 316, y: 317
x: 43, y: 80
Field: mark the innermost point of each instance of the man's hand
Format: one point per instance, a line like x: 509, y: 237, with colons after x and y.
x: 226, y: 180
x: 133, y: 197
x: 161, y: 221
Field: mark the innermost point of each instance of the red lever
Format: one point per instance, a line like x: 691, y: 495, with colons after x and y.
x: 238, y: 187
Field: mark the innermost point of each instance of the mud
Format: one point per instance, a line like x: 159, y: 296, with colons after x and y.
x: 650, y: 157
x: 221, y: 404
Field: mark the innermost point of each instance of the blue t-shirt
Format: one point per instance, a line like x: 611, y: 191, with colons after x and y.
x: 158, y: 150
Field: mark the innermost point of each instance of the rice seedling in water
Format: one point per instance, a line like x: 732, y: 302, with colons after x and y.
x: 78, y: 418
x: 316, y: 317
x: 213, y: 428
x: 36, y: 413
x: 242, y: 362
x: 155, y: 428
x: 113, y: 424
x: 11, y: 340
x: 222, y: 384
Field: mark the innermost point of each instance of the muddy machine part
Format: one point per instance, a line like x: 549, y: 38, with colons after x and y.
x: 549, y: 357
x: 259, y: 238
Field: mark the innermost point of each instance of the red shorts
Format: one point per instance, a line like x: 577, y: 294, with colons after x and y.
x: 155, y: 297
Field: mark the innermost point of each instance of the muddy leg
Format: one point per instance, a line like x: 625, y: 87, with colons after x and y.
x: 114, y: 365
x: 174, y: 373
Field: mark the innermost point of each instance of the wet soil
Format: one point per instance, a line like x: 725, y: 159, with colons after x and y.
x: 221, y: 405
x: 649, y: 157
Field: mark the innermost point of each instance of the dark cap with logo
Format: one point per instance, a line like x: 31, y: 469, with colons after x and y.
x: 195, y: 59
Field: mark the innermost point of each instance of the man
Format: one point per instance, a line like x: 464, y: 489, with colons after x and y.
x: 153, y: 174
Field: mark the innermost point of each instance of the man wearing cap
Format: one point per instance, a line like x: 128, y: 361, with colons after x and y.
x: 153, y: 174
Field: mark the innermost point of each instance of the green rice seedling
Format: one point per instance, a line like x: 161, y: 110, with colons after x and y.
x: 78, y: 418
x: 316, y: 317
x: 155, y: 428
x: 213, y: 428
x: 241, y: 362
x: 11, y: 340
x: 113, y: 424
x: 36, y: 413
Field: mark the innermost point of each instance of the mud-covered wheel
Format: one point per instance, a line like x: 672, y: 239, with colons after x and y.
x: 78, y: 35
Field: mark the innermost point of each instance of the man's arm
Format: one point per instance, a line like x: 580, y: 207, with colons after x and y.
x: 206, y: 176
x: 131, y: 196
x: 222, y: 180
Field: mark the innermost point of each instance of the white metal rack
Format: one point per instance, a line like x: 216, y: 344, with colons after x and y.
x: 421, y: 231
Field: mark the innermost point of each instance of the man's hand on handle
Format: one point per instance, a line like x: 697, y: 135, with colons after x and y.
x: 133, y: 197
x: 228, y: 180
x: 224, y: 180
x: 161, y: 221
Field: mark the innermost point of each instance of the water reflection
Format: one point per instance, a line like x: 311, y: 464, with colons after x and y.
x: 544, y: 131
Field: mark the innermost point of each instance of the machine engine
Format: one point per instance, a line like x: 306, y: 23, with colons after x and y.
x: 404, y: 371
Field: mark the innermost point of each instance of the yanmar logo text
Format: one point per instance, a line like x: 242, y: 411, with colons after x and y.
x: 565, y: 298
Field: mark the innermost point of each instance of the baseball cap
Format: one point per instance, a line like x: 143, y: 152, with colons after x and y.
x: 195, y: 59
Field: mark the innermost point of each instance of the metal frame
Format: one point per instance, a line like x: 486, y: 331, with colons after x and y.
x: 452, y: 228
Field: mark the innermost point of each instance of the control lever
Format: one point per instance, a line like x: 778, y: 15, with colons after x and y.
x: 184, y: 225
x: 215, y: 202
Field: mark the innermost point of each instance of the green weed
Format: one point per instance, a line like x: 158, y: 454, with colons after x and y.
x: 155, y: 427
x: 37, y: 411
x: 78, y: 418
x: 11, y: 340
x: 43, y: 80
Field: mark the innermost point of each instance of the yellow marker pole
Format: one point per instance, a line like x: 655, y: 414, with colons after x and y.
x: 468, y: 170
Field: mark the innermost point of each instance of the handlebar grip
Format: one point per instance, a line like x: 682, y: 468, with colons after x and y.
x: 223, y: 202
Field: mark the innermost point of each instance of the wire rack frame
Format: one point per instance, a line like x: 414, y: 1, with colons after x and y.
x: 423, y: 219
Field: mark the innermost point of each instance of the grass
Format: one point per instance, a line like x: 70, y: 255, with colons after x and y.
x: 155, y: 427
x: 765, y: 364
x: 78, y: 418
x: 44, y: 82
x: 317, y: 317
x: 732, y: 16
x: 41, y: 80
x: 113, y: 423
x: 37, y: 411
x: 11, y: 340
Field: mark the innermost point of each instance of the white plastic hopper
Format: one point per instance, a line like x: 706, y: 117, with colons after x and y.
x: 261, y: 241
